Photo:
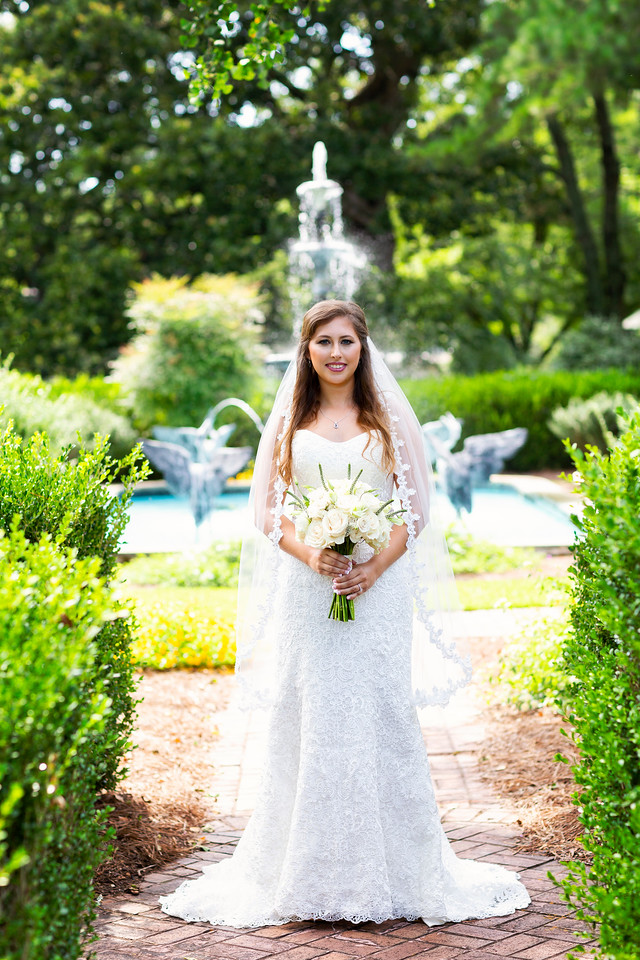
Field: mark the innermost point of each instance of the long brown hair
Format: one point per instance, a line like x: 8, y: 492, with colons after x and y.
x: 306, y: 392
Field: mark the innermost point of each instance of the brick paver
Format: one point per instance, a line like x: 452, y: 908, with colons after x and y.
x: 134, y: 928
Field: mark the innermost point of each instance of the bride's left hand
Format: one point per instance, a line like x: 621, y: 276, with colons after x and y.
x: 361, y: 578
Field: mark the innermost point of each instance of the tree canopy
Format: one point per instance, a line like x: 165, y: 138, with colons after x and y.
x: 486, y: 150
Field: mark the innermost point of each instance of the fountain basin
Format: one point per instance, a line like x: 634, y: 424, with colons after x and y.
x: 510, y: 511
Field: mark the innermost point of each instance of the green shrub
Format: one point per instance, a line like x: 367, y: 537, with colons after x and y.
x: 104, y: 392
x: 490, y: 402
x: 61, y: 410
x: 71, y: 500
x: 598, y: 343
x: 602, y: 653
x: 531, y: 670
x: 54, y: 709
x: 593, y: 421
x: 469, y: 555
x: 194, y: 346
x: 217, y: 566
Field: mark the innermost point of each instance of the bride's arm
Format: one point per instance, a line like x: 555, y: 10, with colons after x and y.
x: 327, y: 562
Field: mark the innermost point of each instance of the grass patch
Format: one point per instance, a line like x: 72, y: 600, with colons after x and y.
x: 216, y: 566
x: 484, y: 594
x: 194, y: 626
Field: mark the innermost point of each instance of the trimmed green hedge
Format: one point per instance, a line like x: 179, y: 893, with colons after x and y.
x: 71, y: 501
x: 490, y: 402
x: 54, y: 711
x: 602, y: 656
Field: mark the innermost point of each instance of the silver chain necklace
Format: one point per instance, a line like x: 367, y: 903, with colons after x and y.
x: 334, y: 422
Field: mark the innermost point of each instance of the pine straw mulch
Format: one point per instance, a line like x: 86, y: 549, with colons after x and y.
x: 518, y: 762
x: 161, y: 806
x: 518, y: 755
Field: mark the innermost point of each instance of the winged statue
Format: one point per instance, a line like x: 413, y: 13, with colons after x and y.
x: 195, y: 461
x: 482, y: 454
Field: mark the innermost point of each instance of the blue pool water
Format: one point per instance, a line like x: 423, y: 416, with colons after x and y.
x: 501, y: 514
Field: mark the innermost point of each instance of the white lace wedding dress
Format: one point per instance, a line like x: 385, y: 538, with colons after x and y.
x: 346, y: 825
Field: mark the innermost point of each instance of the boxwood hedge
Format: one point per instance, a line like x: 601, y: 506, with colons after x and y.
x: 602, y: 656
x: 70, y: 499
x: 54, y: 710
x: 490, y: 402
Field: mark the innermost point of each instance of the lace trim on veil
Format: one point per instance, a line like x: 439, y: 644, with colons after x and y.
x: 439, y: 695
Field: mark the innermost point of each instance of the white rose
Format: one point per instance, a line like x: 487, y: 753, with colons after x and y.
x: 380, y: 543
x: 314, y: 537
x: 347, y: 502
x: 370, y: 501
x: 362, y: 488
x: 341, y: 486
x: 353, y: 533
x: 360, y: 510
x: 302, y: 525
x: 368, y: 525
x: 335, y: 523
x: 318, y: 503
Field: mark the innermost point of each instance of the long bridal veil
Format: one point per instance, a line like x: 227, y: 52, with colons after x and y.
x: 438, y: 669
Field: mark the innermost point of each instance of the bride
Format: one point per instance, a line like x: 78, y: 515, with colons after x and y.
x: 346, y: 825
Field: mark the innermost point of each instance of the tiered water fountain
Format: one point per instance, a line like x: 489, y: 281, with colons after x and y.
x: 324, y: 262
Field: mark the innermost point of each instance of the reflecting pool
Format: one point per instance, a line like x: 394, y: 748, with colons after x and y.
x: 501, y: 514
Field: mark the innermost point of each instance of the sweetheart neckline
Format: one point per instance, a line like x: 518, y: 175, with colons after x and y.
x: 337, y: 442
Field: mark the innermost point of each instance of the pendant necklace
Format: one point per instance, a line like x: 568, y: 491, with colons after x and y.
x: 331, y: 420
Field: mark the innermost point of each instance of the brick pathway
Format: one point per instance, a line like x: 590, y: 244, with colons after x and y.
x: 135, y: 928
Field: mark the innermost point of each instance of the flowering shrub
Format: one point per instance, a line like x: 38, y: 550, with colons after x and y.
x: 602, y: 655
x: 179, y: 628
x: 195, y: 344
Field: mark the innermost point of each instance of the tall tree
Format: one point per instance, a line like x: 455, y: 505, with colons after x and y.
x: 570, y: 64
x: 551, y: 102
x: 83, y: 84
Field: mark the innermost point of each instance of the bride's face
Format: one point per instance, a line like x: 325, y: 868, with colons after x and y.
x: 334, y: 351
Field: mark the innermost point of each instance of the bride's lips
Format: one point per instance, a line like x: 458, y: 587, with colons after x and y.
x: 336, y: 367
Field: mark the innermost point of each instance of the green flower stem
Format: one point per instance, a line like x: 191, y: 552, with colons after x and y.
x: 341, y: 608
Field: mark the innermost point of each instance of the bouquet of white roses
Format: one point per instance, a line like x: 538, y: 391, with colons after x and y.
x: 340, y: 514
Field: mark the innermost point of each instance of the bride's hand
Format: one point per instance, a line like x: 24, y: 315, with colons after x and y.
x: 358, y: 580
x: 328, y: 562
